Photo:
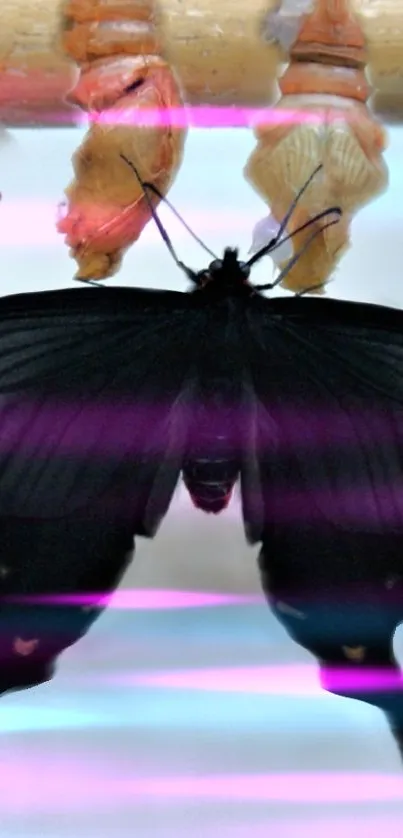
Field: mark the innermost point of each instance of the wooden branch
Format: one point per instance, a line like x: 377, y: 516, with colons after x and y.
x: 215, y: 46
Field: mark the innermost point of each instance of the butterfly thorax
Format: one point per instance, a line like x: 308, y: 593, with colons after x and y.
x: 226, y: 277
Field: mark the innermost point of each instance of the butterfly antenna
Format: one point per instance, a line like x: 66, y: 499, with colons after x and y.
x: 157, y: 192
x: 295, y: 258
x: 88, y: 282
x: 163, y: 233
x: 331, y: 211
x: 310, y: 290
x: 277, y: 241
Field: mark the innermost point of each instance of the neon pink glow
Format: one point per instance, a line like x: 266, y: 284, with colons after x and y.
x: 33, y: 223
x: 358, y: 825
x: 203, y: 116
x: 357, y: 679
x: 142, y: 600
x: 199, y: 116
x: 122, y: 429
x: 308, y: 825
x: 128, y: 422
x: 67, y: 785
x: 275, y: 788
x: 299, y: 679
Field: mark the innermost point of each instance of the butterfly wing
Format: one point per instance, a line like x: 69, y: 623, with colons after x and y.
x: 327, y: 384
x: 323, y: 480
x: 93, y: 387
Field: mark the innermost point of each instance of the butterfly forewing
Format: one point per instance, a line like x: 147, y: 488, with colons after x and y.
x: 92, y: 432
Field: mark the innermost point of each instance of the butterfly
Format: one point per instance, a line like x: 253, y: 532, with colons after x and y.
x: 108, y: 396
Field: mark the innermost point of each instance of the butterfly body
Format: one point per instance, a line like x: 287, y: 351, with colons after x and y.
x: 211, y: 464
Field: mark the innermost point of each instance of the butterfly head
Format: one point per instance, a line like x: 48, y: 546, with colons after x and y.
x: 227, y: 273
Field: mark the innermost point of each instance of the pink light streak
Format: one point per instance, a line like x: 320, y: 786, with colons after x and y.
x: 64, y: 786
x: 304, y: 680
x: 141, y: 600
x: 203, y: 116
x: 123, y: 427
x: 358, y: 825
x: 293, y: 787
x: 198, y: 116
x: 33, y: 223
x: 301, y: 680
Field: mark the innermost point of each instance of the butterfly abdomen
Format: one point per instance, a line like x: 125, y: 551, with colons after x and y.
x: 212, y: 463
x: 211, y: 466
x: 210, y: 481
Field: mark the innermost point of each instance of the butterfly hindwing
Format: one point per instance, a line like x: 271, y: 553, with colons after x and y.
x: 327, y: 471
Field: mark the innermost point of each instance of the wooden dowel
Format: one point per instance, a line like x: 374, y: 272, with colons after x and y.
x: 215, y: 46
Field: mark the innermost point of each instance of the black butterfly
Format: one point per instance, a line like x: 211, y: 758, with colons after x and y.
x: 108, y: 396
